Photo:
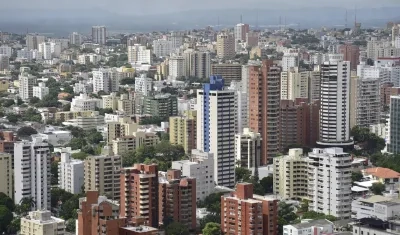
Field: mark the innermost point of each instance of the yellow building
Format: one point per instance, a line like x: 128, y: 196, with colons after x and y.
x: 183, y: 130
x: 16, y: 83
x: 163, y: 69
x: 124, y: 127
x: 132, y: 142
x: 68, y: 115
x: 6, y: 175
x: 290, y: 175
x: 42, y: 223
x: 4, y: 85
x: 125, y: 105
x: 110, y: 101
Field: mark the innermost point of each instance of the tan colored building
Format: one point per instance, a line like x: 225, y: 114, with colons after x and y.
x: 290, y: 175
x: 68, y: 115
x: 110, y: 101
x: 125, y: 105
x: 225, y: 46
x: 6, y: 174
x: 42, y: 223
x: 245, y: 213
x: 177, y: 198
x: 183, y: 130
x: 139, y: 194
x: 102, y: 175
x: 229, y: 72
x: 98, y: 215
x: 4, y: 85
x: 132, y: 142
x: 124, y: 127
x: 294, y: 84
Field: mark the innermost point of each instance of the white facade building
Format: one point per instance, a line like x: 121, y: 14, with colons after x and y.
x: 6, y: 50
x: 83, y: 87
x: 248, y: 149
x: 86, y: 123
x: 89, y: 58
x: 313, y: 227
x: 138, y: 54
x: 101, y: 80
x: 376, y: 206
x: 42, y: 223
x: 40, y: 91
x: 294, y: 84
x: 290, y: 60
x: 176, y: 67
x: 26, y: 83
x: 84, y: 103
x: 162, y: 47
x: 335, y: 102
x: 201, y: 167
x: 70, y: 173
x: 45, y: 49
x: 143, y: 84
x: 329, y: 182
x: 32, y: 172
x: 242, y: 105
x: 75, y: 39
x: 56, y: 137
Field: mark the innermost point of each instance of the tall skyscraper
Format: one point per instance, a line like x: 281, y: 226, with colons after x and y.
x: 32, y: 173
x: 294, y: 84
x: 198, y: 63
x: 177, y: 68
x: 138, y: 54
x: 75, y: 39
x: 264, y: 102
x: 334, y: 122
x: 183, y: 130
x: 33, y: 41
x: 71, y: 173
x: 4, y: 62
x: 350, y: 53
x: 240, y: 33
x: 99, y: 34
x: 139, y: 194
x: 248, y: 149
x: 216, y: 125
x: 26, y: 83
x: 329, y: 185
x: 6, y: 174
x: 394, y: 125
x: 225, y: 46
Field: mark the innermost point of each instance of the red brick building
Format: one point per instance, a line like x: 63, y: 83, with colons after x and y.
x: 98, y: 215
x: 299, y: 123
x: 7, y: 141
x: 350, y: 53
x: 264, y: 92
x: 139, y: 194
x: 177, y: 197
x: 243, y: 213
x: 388, y: 90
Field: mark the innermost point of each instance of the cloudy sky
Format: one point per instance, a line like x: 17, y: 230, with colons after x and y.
x: 167, y: 6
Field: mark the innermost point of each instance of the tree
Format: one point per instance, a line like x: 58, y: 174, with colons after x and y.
x: 212, y: 229
x: 286, y: 215
x: 127, y: 81
x: 104, y: 111
x: 81, y: 155
x: 210, y: 218
x: 242, y: 174
x: 8, y: 102
x: 267, y: 183
x: 54, y: 173
x: 14, y: 226
x: 7, y: 201
x: 67, y: 107
x: 94, y: 137
x: 77, y: 143
x: 34, y: 100
x: 176, y: 228
x: 377, y: 188
x: 12, y: 118
x: 69, y: 208
x: 304, y: 205
x: 31, y: 115
x: 70, y: 225
x: 356, y: 176
x: 26, y: 131
x: 128, y: 159
x: 6, y: 217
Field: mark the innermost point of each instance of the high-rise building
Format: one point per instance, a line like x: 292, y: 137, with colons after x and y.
x: 176, y: 38
x: 143, y: 85
x: 75, y: 39
x: 33, y: 41
x: 26, y: 83
x: 160, y: 105
x: 387, y: 90
x: 70, y: 173
x: 45, y: 49
x: 197, y: 63
x: 98, y: 215
x: 177, y: 198
x: 314, y: 84
x: 138, y: 54
x: 42, y: 223
x: 32, y: 173
x: 6, y: 50
x: 99, y: 34
x: 4, y: 62
x: 162, y: 47
x: 334, y: 121
x: 101, y: 81
x: 329, y: 184
x: 177, y: 68
x: 393, y: 145
x: 216, y: 125
x: 245, y: 213
x: 40, y: 91
x: 123, y: 127
x: 290, y: 60
x: 248, y: 149
x: 200, y: 167
x: 252, y: 39
x: 290, y: 175
x: 240, y: 32
x: 85, y: 103
x: 229, y: 72
x: 350, y: 53
x: 242, y: 107
x: 365, y: 107
x: 6, y: 174
x: 183, y: 130
x: 7, y: 141
x: 298, y: 123
x: 226, y: 46
x: 264, y: 102
x: 102, y: 175
x: 140, y: 194
x: 294, y: 84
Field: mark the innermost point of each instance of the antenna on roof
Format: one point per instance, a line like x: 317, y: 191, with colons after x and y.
x: 241, y: 18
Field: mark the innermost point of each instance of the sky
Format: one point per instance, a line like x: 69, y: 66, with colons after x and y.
x: 167, y: 6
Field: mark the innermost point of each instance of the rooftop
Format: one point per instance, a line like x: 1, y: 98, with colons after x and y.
x: 313, y: 223
x: 141, y: 229
x: 381, y: 172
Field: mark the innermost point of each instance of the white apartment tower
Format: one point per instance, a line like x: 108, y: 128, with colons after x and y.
x: 177, y: 67
x: 294, y: 84
x: 138, y: 54
x: 248, y: 149
x: 40, y: 91
x: 75, y: 39
x: 70, y: 173
x: 335, y: 102
x: 42, y: 223
x: 99, y: 34
x: 329, y: 182
x: 290, y: 60
x: 101, y: 81
x: 144, y: 85
x: 216, y: 125
x: 162, y: 47
x: 45, y: 49
x: 33, y: 41
x: 240, y: 32
x: 26, y: 83
x: 32, y: 173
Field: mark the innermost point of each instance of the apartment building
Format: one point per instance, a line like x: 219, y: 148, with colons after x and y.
x: 161, y: 105
x: 6, y: 174
x: 376, y: 206
x: 244, y: 213
x: 315, y: 227
x: 183, y: 130
x: 144, y: 85
x: 140, y: 194
x: 177, y: 198
x: 102, y: 175
x: 70, y: 173
x: 131, y: 142
x: 85, y: 103
x: 42, y: 223
x: 98, y: 215
x: 68, y: 115
x: 329, y: 170
x: 294, y: 84
x: 40, y: 91
x: 290, y: 175
x: 197, y: 63
x: 229, y: 72
x: 26, y: 83
x: 248, y: 149
x: 177, y: 67
x: 225, y: 46
x: 393, y: 145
